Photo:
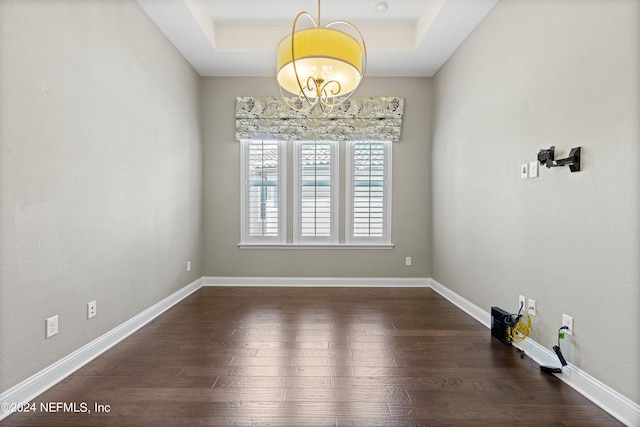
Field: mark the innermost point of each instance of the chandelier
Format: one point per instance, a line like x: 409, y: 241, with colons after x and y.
x: 321, y: 65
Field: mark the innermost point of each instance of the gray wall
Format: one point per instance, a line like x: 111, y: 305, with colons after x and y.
x: 104, y: 181
x: 411, y: 191
x: 532, y: 75
x: 100, y: 174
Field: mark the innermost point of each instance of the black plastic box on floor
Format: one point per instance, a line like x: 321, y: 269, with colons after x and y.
x: 501, y: 324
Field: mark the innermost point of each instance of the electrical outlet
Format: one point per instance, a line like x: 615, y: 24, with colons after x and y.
x: 91, y: 309
x: 524, y: 170
x: 533, y: 169
x: 522, y: 303
x: 407, y: 261
x: 531, y: 307
x: 568, y: 322
x: 52, y: 326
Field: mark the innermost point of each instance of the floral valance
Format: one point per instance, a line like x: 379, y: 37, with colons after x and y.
x: 357, y: 119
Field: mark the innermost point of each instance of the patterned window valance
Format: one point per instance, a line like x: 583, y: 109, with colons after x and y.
x: 363, y: 118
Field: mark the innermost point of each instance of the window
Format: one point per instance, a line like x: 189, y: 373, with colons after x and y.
x: 263, y: 192
x: 321, y: 196
x: 316, y: 198
x: 368, y: 197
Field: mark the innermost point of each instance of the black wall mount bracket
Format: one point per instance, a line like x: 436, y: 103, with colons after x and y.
x: 546, y: 157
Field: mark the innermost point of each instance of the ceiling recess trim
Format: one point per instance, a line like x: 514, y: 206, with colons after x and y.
x: 218, y: 47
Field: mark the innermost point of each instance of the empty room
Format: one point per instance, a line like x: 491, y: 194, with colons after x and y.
x: 319, y: 213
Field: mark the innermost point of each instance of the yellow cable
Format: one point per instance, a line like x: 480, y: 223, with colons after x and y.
x: 521, y: 330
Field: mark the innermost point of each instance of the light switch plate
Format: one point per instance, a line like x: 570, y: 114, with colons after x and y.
x: 524, y: 170
x: 533, y: 169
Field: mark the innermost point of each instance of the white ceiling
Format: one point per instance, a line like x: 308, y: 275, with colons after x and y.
x: 240, y: 37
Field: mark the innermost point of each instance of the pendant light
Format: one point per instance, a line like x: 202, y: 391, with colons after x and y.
x: 320, y: 65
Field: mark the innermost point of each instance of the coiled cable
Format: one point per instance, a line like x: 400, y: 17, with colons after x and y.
x: 522, y: 328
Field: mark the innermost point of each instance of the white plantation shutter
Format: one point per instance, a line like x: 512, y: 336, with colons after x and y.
x: 368, y: 215
x: 264, y: 191
x: 315, y: 190
x: 324, y: 193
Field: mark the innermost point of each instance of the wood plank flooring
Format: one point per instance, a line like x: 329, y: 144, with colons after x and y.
x: 314, y: 357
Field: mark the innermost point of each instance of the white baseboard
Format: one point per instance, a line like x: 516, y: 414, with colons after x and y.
x: 619, y: 406
x: 362, y: 282
x: 37, y: 384
x: 467, y: 306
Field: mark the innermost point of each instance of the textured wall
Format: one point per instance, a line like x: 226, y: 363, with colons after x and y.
x: 100, y: 174
x: 532, y: 75
x: 411, y: 191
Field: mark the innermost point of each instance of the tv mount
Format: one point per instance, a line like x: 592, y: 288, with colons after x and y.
x: 546, y: 157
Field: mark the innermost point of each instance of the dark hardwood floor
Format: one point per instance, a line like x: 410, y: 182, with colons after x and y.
x: 314, y: 357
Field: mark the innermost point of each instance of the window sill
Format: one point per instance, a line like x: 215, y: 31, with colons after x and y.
x: 313, y: 246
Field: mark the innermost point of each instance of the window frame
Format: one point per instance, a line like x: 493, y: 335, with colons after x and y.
x: 245, y: 224
x: 385, y: 238
x: 333, y: 237
x: 342, y: 189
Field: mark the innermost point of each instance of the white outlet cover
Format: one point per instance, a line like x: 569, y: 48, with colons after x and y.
x: 91, y: 309
x: 522, y: 302
x: 52, y: 326
x: 531, y: 306
x: 568, y: 322
x: 533, y: 169
x: 524, y: 170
